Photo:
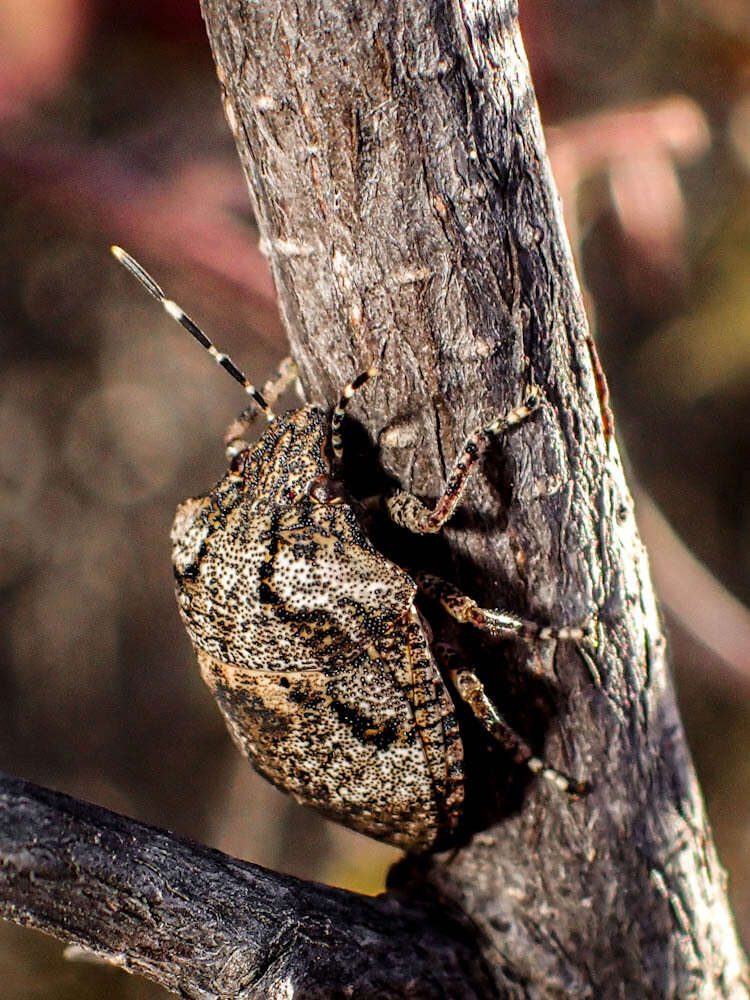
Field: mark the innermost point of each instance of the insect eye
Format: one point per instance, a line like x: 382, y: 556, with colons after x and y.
x: 324, y: 489
x: 533, y: 400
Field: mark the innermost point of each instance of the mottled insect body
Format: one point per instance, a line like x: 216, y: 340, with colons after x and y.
x: 304, y: 634
x: 310, y: 639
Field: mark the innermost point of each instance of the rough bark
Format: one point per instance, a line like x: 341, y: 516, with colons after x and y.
x: 399, y: 177
x: 205, y: 925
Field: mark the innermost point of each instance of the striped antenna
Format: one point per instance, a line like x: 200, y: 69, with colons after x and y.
x: 184, y: 320
x: 337, y: 445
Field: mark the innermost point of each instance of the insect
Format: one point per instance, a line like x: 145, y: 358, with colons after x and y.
x: 310, y: 639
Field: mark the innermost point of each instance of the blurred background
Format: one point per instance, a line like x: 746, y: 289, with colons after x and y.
x: 111, y: 129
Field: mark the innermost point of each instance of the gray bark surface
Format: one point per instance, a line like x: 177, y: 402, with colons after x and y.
x: 399, y: 177
x: 205, y: 925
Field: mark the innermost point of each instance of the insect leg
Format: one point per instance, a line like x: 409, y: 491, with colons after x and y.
x: 471, y: 690
x: 192, y: 328
x: 337, y: 446
x: 493, y: 620
x: 236, y: 432
x: 409, y: 512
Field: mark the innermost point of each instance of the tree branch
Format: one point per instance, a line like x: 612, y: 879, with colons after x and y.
x: 399, y: 177
x: 206, y: 925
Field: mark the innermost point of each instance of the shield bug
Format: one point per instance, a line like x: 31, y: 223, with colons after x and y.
x: 310, y: 639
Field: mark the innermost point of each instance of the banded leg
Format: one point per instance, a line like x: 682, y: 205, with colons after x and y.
x: 170, y: 307
x: 466, y: 610
x: 409, y: 512
x: 234, y: 439
x: 337, y: 445
x: 471, y: 690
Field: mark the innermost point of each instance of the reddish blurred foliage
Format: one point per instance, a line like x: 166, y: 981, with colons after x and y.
x: 639, y: 151
x: 40, y: 45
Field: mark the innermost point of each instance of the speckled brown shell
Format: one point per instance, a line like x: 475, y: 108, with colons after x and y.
x: 310, y: 641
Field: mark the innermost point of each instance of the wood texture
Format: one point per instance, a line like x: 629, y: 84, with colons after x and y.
x: 398, y: 172
x: 205, y: 925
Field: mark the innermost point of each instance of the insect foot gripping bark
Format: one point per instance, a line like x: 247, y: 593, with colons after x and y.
x: 310, y: 639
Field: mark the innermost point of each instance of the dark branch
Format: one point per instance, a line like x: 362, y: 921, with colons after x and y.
x: 206, y: 925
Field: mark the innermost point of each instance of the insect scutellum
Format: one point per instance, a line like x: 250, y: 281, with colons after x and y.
x: 234, y: 442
